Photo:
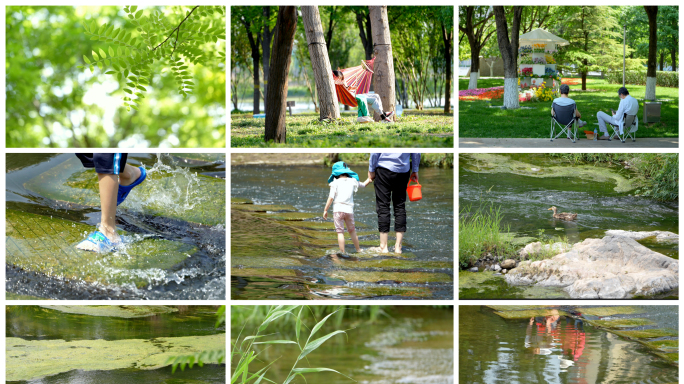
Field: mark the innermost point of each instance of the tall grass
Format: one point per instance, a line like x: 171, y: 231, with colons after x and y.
x: 480, y: 232
x: 254, y: 314
x: 243, y: 352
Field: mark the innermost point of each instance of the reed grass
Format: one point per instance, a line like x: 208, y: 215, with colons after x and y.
x: 243, y: 352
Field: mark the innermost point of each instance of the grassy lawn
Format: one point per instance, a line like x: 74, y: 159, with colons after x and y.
x: 425, y: 129
x: 477, y: 120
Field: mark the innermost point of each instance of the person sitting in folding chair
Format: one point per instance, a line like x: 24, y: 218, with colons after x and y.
x: 629, y: 106
x: 565, y: 114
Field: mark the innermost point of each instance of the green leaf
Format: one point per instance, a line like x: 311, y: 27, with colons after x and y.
x: 111, y: 51
x: 133, y: 8
x: 110, y: 73
x: 276, y: 342
x: 128, y: 91
x: 310, y: 347
x: 109, y: 30
x: 85, y: 58
x: 136, y: 108
x: 95, y: 56
x: 93, y: 25
x: 138, y: 14
x: 102, y: 53
x: 102, y: 28
x: 298, y: 325
x: 140, y: 87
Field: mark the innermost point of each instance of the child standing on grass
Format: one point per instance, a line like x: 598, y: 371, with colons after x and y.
x: 346, y: 183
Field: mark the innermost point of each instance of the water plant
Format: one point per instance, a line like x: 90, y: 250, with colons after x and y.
x: 243, y: 351
x: 189, y: 361
x: 481, y: 232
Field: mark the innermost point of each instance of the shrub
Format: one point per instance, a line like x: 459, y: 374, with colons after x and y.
x: 663, y: 79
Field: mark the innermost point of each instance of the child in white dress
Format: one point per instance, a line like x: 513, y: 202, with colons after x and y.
x: 343, y: 184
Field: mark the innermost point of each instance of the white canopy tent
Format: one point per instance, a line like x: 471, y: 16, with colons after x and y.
x: 540, y: 36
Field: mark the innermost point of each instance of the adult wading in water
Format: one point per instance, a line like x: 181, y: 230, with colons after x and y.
x: 391, y: 173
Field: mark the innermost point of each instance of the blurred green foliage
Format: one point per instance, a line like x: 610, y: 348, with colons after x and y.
x: 52, y: 103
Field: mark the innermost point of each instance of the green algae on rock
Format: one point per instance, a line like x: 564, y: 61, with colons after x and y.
x: 529, y: 313
x: 46, y: 245
x: 404, y: 277
x: 500, y: 163
x: 183, y: 196
x: 664, y: 345
x: 264, y: 208
x: 123, y: 311
x: 33, y: 359
x: 647, y: 333
x: 263, y: 272
x: 620, y: 323
x: 240, y: 200
x: 289, y: 216
x: 610, y: 311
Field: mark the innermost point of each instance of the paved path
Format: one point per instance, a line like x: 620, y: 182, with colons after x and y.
x: 565, y: 143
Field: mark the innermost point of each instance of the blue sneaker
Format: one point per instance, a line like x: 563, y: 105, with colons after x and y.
x: 97, y: 242
x: 125, y: 190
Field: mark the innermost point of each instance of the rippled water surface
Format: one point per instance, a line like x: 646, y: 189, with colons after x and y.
x: 52, y: 203
x: 553, y: 350
x: 414, y: 347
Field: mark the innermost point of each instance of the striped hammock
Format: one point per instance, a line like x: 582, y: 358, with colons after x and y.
x: 357, y: 81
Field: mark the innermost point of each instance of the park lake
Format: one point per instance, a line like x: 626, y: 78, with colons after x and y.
x: 568, y: 344
x: 176, y: 220
x: 283, y: 249
x: 524, y: 186
x: 110, y: 344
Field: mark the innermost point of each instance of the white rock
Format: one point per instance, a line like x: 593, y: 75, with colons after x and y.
x: 662, y: 236
x: 614, y: 267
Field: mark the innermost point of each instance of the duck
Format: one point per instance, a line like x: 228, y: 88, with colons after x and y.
x: 563, y: 215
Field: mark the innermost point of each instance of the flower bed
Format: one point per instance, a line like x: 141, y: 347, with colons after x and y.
x: 481, y: 93
x: 571, y: 81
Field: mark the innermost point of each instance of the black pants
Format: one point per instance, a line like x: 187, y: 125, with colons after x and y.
x: 390, y: 186
x: 106, y: 163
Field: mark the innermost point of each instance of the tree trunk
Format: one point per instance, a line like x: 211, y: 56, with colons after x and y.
x: 673, y: 53
x: 384, y: 63
x: 325, y: 87
x: 509, y: 53
x: 255, y: 76
x: 448, y: 37
x: 652, y: 12
x: 364, y: 24
x: 661, y: 64
x: 266, y: 48
x: 283, y: 41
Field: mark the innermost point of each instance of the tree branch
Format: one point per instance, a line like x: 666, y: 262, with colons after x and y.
x: 177, y: 29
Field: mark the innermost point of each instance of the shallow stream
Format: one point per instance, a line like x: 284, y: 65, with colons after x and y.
x: 556, y: 350
x: 415, y: 346
x: 48, y: 346
x: 263, y: 249
x: 175, y: 219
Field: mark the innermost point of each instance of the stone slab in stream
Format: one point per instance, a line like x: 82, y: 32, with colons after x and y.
x: 122, y: 311
x: 176, y: 193
x: 289, y: 216
x: 661, y: 236
x: 34, y: 359
x: 317, y: 225
x: 608, y: 268
x: 47, y: 245
x: 264, y: 208
x: 240, y: 200
x: 400, y: 277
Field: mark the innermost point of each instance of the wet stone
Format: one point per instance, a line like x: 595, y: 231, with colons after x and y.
x: 264, y: 208
x: 621, y: 323
x: 47, y: 245
x: 609, y: 311
x: 407, y: 277
x: 123, y: 311
x: 240, y: 200
x: 289, y: 216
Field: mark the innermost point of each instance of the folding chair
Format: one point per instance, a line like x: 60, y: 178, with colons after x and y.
x: 564, y: 118
x: 630, y: 121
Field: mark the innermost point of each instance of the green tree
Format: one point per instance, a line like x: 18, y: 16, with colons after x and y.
x: 476, y: 24
x: 52, y: 103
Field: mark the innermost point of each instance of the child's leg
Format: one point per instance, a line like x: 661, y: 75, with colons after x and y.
x: 129, y: 175
x: 349, y: 220
x: 109, y: 186
x: 338, y: 219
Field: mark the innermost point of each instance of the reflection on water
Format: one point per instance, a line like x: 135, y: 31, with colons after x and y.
x: 415, y: 346
x: 525, y: 200
x: 550, y: 349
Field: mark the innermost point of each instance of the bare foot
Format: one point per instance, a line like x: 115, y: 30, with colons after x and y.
x: 87, y: 246
x: 397, y: 249
x: 379, y: 250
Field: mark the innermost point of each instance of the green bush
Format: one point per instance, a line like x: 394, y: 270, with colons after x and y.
x: 481, y: 231
x: 663, y: 79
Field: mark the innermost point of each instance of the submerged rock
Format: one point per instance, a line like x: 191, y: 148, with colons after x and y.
x: 536, y: 248
x: 608, y: 268
x: 123, y: 311
x: 662, y: 236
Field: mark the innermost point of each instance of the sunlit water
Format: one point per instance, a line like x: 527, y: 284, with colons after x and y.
x: 414, y: 347
x: 553, y: 350
x: 201, y: 278
x: 524, y: 202
x: 35, y: 323
x: 429, y: 221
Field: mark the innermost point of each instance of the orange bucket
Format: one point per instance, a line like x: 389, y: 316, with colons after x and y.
x: 413, y: 191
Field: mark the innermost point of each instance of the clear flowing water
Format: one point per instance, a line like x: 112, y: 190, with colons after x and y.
x: 429, y: 222
x: 415, y: 346
x: 173, y: 208
x: 553, y: 350
x: 36, y: 323
x: 525, y: 200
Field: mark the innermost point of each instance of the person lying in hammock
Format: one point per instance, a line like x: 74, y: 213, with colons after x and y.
x: 371, y: 99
